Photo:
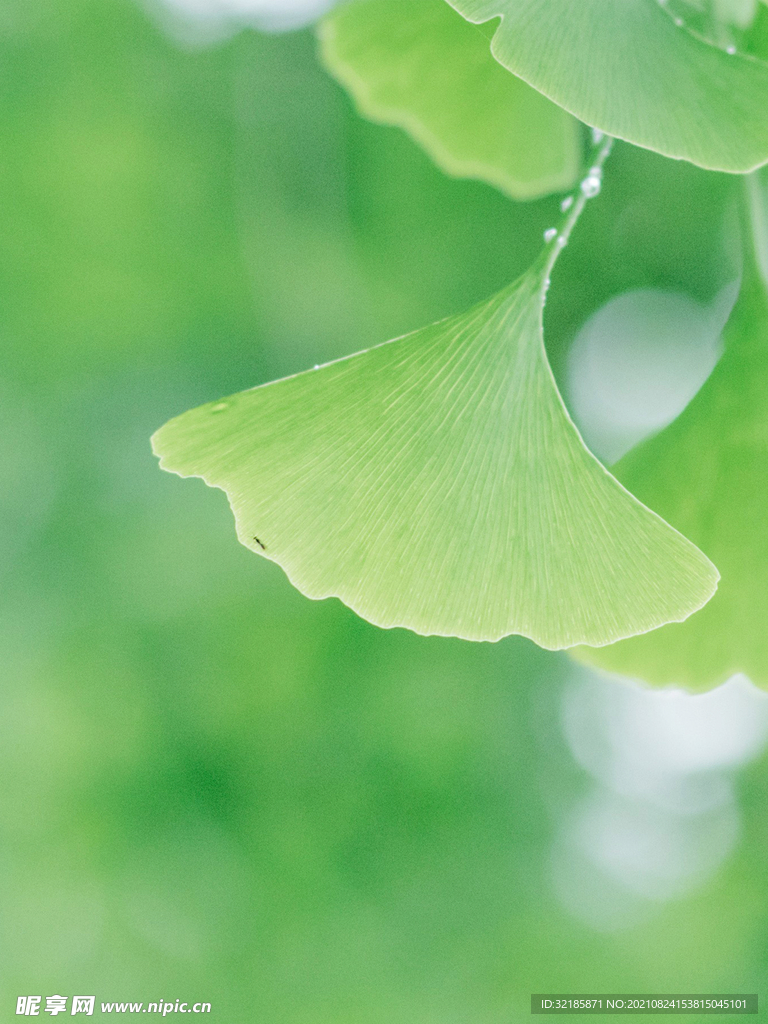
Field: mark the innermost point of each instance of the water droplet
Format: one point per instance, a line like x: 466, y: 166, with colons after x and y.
x: 597, y: 136
x: 591, y: 186
x: 317, y: 366
x: 219, y: 407
x: 549, y: 234
x: 596, y: 172
x: 562, y: 241
x: 679, y: 22
x: 730, y: 49
x: 567, y: 203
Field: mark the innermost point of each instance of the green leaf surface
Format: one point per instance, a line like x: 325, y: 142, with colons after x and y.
x: 627, y: 68
x: 419, y: 65
x: 707, y: 473
x: 437, y: 482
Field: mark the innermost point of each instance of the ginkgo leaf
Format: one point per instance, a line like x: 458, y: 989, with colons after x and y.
x: 417, y: 64
x: 707, y: 473
x: 628, y: 68
x: 437, y: 482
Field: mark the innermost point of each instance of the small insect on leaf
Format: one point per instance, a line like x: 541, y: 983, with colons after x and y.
x: 262, y: 546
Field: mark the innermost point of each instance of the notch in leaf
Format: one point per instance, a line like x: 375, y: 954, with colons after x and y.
x: 437, y: 482
x: 419, y: 65
x: 631, y: 69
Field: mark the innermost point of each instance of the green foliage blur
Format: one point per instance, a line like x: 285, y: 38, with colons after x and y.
x: 213, y: 788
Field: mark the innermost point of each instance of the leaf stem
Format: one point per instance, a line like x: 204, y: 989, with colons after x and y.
x: 573, y: 206
x: 755, y: 231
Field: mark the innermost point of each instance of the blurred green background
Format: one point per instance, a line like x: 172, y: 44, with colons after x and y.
x: 212, y: 788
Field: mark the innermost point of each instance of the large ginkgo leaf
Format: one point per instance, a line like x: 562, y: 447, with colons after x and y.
x: 708, y: 474
x: 631, y: 69
x: 419, y: 65
x: 437, y: 482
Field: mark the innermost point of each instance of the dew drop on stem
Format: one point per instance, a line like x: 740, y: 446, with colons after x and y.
x: 591, y: 185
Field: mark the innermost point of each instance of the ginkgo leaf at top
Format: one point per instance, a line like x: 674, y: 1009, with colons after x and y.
x: 629, y: 69
x: 437, y: 482
x: 417, y: 64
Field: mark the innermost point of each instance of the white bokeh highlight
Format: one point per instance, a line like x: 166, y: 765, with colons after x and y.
x: 661, y: 814
x: 201, y: 21
x: 638, y: 361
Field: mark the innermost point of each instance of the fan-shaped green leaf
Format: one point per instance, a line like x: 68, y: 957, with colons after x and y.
x: 419, y: 65
x: 707, y: 473
x: 437, y: 482
x: 626, y: 68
